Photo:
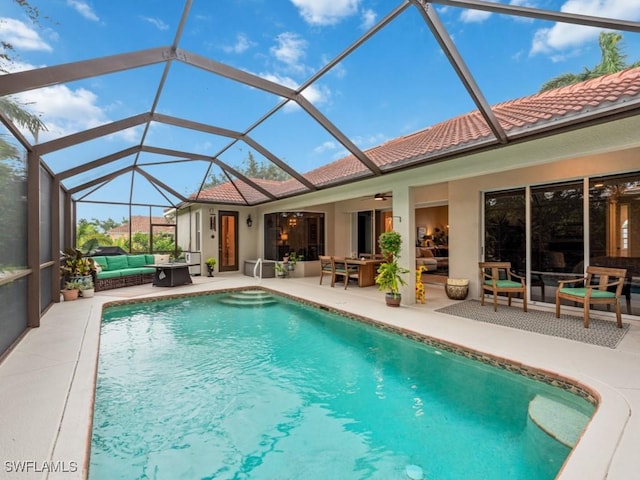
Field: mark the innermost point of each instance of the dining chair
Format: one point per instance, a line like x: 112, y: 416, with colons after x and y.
x: 326, y: 267
x: 344, y: 271
x: 496, y: 278
x: 600, y: 286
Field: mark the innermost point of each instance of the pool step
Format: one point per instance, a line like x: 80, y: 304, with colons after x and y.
x: 557, y: 420
x: 249, y: 298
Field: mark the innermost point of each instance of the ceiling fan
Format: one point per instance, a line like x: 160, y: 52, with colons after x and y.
x: 382, y: 196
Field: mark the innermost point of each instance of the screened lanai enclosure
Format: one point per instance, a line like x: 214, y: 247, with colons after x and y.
x: 235, y: 106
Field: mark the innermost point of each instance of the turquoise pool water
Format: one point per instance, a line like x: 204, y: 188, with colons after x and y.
x: 195, y: 389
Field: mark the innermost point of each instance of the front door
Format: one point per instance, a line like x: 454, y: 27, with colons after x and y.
x: 228, y: 244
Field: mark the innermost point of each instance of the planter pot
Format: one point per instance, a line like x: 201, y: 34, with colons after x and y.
x: 457, y: 288
x: 392, y: 300
x: 87, y: 292
x: 84, y: 279
x: 209, y: 272
x: 69, y: 295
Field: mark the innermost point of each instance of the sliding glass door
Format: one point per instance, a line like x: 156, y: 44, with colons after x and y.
x: 542, y: 230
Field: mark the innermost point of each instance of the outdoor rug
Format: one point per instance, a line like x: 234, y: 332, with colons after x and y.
x: 604, y: 333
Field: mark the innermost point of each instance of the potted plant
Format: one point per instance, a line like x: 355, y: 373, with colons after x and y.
x: 281, y: 269
x: 389, y: 278
x: 71, y: 290
x: 291, y: 260
x: 211, y: 264
x: 87, y: 289
x: 75, y: 265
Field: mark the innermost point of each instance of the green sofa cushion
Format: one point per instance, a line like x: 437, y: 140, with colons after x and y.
x: 141, y: 270
x: 117, y: 262
x: 150, y: 259
x: 582, y: 292
x: 108, y: 274
x: 102, y: 261
x: 136, y: 261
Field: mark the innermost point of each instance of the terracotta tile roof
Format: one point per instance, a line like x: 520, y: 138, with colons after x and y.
x: 233, y: 192
x: 140, y: 224
x: 517, y: 117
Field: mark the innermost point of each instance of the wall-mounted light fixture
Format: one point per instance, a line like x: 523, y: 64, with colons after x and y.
x: 249, y: 221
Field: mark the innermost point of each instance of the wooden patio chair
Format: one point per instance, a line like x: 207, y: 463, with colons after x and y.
x: 344, y: 271
x: 601, y: 286
x: 326, y: 267
x: 496, y: 278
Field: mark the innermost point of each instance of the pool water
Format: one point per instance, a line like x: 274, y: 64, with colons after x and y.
x: 193, y: 388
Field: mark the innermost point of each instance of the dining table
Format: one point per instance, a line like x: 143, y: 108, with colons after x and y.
x: 367, y: 269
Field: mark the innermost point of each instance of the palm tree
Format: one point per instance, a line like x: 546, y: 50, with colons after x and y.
x: 613, y: 60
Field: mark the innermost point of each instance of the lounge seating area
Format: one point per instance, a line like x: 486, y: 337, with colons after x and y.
x: 434, y: 259
x: 116, y: 271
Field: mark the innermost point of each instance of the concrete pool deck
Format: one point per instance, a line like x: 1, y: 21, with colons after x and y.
x: 47, y: 380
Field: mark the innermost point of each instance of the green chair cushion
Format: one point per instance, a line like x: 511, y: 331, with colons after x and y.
x: 136, y: 261
x: 582, y: 292
x: 504, y: 283
x: 149, y: 259
x: 117, y: 262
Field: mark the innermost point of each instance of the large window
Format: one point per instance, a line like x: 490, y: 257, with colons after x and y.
x: 505, y: 232
x: 299, y: 232
x: 614, y: 231
x: 557, y: 229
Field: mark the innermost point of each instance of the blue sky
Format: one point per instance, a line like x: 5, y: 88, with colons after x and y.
x: 396, y: 83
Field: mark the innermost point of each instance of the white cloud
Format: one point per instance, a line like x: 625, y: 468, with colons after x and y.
x: 242, y: 44
x: 326, y: 12
x: 83, y: 9
x: 368, y: 19
x: 474, y: 16
x: 316, y: 94
x: 21, y: 36
x: 63, y: 110
x: 156, y: 22
x: 563, y: 36
x: 327, y: 146
x: 290, y: 48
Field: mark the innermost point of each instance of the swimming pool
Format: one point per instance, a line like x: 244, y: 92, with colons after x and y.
x: 196, y: 388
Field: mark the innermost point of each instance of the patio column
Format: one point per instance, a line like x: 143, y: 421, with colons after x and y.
x: 404, y: 223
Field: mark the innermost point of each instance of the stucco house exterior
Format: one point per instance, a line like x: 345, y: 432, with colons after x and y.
x: 538, y: 160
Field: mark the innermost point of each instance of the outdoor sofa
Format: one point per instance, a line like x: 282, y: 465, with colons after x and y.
x: 115, y: 271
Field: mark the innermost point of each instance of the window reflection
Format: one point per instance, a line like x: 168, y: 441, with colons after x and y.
x: 614, y: 227
x: 13, y: 198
